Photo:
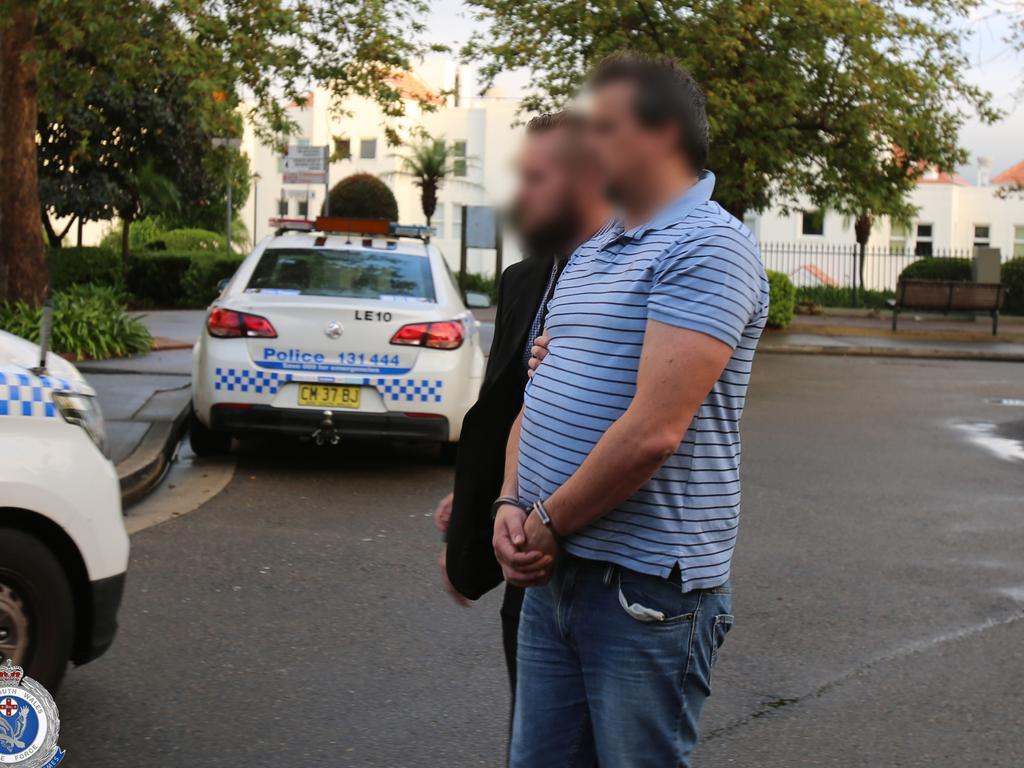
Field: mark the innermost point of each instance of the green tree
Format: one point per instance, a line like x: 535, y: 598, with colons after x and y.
x: 214, y: 50
x: 798, y: 91
x: 430, y: 162
x: 363, y: 196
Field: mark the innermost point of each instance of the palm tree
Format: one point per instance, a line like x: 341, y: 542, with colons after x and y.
x: 430, y: 163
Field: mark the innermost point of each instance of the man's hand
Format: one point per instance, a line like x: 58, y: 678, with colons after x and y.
x: 521, y: 569
x: 443, y: 513
x: 538, y: 352
x: 446, y: 582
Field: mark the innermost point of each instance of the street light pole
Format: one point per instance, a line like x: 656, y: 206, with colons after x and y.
x: 255, y: 203
x: 229, y: 144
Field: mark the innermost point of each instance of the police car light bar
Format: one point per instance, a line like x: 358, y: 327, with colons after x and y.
x: 292, y: 225
x: 343, y: 224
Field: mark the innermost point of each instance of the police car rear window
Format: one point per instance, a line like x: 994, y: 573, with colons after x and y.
x: 355, y: 274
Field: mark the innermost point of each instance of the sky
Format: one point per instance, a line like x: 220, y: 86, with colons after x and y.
x: 994, y: 66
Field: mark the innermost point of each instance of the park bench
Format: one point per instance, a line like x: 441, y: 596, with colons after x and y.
x: 948, y: 296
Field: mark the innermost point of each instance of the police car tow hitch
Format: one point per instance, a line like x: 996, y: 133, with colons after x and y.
x: 326, y: 433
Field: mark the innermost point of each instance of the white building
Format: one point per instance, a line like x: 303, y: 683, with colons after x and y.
x: 953, y: 215
x: 479, y: 127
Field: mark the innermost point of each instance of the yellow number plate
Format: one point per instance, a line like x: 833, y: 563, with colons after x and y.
x: 329, y: 395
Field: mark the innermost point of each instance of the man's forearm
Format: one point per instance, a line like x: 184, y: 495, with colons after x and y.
x: 625, y: 458
x: 510, y: 485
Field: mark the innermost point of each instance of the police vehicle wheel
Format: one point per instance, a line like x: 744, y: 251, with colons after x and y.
x: 448, y: 452
x: 37, y: 612
x: 206, y: 442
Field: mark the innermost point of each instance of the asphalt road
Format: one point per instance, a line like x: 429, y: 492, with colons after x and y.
x: 294, y: 619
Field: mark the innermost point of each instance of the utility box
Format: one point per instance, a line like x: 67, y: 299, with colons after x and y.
x: 986, y: 265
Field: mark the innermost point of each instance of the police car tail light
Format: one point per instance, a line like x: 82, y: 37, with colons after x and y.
x: 444, y: 335
x: 227, y: 323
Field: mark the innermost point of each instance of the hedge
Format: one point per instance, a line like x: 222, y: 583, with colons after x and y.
x: 1012, y: 276
x: 782, y: 298
x: 86, y: 265
x: 178, y: 279
x: 938, y: 268
x: 180, y: 240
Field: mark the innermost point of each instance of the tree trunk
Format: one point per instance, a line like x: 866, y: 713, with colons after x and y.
x: 53, y: 237
x: 862, y: 229
x: 22, y: 257
x: 739, y: 210
x: 126, y: 223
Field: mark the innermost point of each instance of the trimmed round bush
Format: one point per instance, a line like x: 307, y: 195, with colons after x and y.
x: 1012, y: 276
x: 188, y: 240
x: 363, y: 196
x: 782, y: 299
x: 88, y: 321
x: 938, y: 268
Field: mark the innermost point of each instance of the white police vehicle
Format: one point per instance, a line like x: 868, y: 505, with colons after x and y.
x: 63, y: 544
x: 334, y: 329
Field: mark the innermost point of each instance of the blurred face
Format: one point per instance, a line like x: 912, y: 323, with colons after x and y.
x: 626, y: 152
x: 545, y: 212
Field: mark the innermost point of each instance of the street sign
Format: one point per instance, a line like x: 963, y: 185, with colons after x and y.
x: 305, y: 165
x: 481, y: 227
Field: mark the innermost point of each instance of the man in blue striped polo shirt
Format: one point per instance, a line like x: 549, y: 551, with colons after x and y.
x: 621, y: 505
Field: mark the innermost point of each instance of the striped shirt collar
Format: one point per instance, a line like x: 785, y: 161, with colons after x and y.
x: 674, y: 212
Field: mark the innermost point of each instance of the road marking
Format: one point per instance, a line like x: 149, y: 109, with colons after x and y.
x: 190, y: 483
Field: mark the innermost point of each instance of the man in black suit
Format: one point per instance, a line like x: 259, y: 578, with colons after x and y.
x: 558, y: 205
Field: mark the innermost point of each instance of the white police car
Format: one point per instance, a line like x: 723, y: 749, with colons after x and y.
x: 63, y: 545
x: 344, y: 328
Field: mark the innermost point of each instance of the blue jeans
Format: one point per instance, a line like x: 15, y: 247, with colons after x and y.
x: 614, y: 666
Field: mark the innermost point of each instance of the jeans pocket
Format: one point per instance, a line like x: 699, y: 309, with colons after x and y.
x: 653, y: 600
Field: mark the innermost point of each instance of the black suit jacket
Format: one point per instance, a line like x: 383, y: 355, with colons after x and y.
x: 480, y: 466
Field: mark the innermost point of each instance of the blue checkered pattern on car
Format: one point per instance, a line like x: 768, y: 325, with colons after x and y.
x: 394, y: 389
x: 23, y: 394
x: 244, y: 380
x: 409, y: 390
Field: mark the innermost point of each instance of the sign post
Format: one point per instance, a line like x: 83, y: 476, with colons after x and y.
x: 480, y: 229
x: 306, y: 164
x: 231, y: 145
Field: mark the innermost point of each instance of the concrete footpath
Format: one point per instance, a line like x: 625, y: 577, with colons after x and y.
x: 868, y: 334
x: 146, y: 400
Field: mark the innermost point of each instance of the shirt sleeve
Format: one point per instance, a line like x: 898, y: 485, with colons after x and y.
x: 711, y: 286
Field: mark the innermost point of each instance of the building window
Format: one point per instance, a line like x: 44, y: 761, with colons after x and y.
x: 923, y: 241
x: 367, y: 149
x: 813, y: 223
x: 898, y: 237
x: 303, y: 208
x: 282, y: 207
x: 437, y: 221
x: 459, y: 164
x: 1018, y: 240
x: 982, y: 235
x: 457, y: 221
x: 342, y: 148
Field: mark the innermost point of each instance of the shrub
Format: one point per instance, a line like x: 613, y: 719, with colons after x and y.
x: 363, y: 196
x: 88, y: 321
x: 938, y: 268
x: 154, y: 278
x: 482, y: 284
x: 199, y: 283
x: 835, y: 296
x: 188, y: 240
x: 1012, y: 277
x: 783, y: 299
x: 85, y: 265
x: 176, y: 279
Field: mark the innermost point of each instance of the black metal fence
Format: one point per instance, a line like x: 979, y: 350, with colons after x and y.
x: 839, y: 275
